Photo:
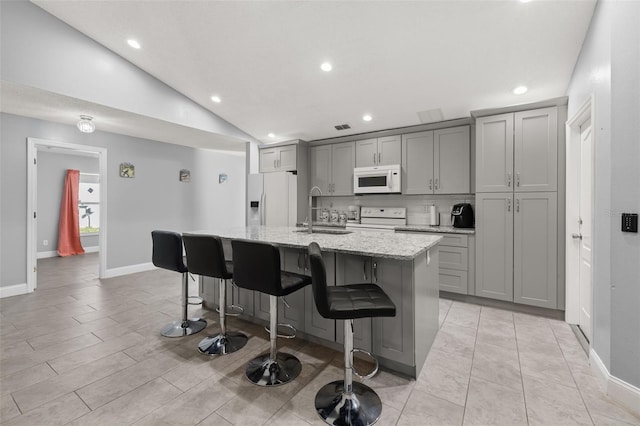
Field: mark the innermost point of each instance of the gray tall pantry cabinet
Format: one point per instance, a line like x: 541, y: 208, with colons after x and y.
x: 517, y: 207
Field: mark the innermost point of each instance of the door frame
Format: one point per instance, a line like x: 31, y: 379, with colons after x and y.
x: 33, y: 145
x: 585, y: 113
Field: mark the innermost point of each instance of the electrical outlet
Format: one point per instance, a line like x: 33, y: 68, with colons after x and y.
x: 45, y: 242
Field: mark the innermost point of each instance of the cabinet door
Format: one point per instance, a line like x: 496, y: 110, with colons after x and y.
x: 417, y: 163
x: 294, y: 261
x: 453, y: 280
x: 287, y: 158
x: 494, y: 246
x: 535, y: 249
x: 321, y: 167
x: 451, y: 161
x: 343, y: 157
x: 536, y: 150
x: 354, y: 270
x: 367, y: 153
x: 393, y: 337
x: 494, y: 153
x: 389, y: 150
x: 268, y: 160
x: 314, y: 323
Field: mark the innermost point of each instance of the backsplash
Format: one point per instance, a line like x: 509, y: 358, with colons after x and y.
x: 417, y: 205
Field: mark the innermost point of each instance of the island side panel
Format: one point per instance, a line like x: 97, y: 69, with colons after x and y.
x: 427, y: 305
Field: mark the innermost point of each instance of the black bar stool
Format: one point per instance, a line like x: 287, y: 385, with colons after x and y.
x: 205, y: 256
x: 256, y: 266
x: 167, y: 254
x: 344, y: 402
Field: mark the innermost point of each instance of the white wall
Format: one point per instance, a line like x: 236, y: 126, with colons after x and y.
x: 609, y: 67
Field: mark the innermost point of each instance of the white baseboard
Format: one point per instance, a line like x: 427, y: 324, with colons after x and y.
x: 48, y: 254
x: 126, y: 270
x: 622, y: 392
x: 13, y: 290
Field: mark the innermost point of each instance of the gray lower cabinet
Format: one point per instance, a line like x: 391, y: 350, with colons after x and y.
x: 294, y: 261
x: 355, y: 270
x: 314, y: 323
x: 394, y: 337
x: 454, y: 270
x: 494, y: 245
x: 535, y: 249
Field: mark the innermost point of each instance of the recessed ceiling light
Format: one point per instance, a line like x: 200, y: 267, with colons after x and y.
x: 133, y: 43
x: 271, y: 135
x: 525, y: 1
x: 326, y: 66
x: 520, y: 90
x: 216, y: 99
x: 366, y: 117
x: 85, y: 125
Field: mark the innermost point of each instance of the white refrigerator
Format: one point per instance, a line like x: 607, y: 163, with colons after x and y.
x: 273, y: 199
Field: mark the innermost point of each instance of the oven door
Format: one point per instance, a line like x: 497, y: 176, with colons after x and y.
x: 372, y: 181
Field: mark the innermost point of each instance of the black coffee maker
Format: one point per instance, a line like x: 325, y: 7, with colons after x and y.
x: 462, y: 216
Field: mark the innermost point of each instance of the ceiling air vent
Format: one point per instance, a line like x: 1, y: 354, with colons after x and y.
x: 342, y: 127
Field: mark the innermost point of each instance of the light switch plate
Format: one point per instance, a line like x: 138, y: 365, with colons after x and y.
x: 630, y: 222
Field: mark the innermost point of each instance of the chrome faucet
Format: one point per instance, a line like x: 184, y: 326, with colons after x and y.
x: 311, y: 209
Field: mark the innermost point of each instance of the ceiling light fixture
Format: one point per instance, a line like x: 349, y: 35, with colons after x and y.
x: 271, y: 135
x: 216, y: 99
x: 326, y: 66
x: 520, y: 90
x: 366, y: 117
x: 133, y: 43
x: 85, y: 125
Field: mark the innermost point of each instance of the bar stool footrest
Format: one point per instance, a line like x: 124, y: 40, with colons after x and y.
x: 284, y: 336
x: 362, y: 407
x: 232, y: 310
x: 198, y: 300
x: 373, y: 372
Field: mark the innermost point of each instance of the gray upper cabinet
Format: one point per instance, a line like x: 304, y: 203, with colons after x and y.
x: 536, y: 150
x: 379, y: 152
x: 278, y: 159
x: 494, y: 249
x: 436, y: 162
x: 417, y: 162
x: 517, y: 151
x: 494, y: 153
x: 332, y: 168
x: 451, y: 161
x: 535, y: 249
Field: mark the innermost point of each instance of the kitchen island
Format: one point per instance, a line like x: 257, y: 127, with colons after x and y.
x: 404, y: 265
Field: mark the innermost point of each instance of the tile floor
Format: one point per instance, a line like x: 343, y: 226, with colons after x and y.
x: 84, y: 351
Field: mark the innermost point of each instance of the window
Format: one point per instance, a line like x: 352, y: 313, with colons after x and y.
x: 89, y: 204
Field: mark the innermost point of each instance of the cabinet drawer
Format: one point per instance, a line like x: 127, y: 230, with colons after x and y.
x: 453, y: 280
x: 457, y: 240
x: 454, y: 258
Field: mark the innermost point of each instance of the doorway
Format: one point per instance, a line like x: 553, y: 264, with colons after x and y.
x: 33, y: 146
x: 579, y: 219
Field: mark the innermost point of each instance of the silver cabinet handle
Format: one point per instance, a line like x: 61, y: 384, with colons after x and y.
x: 299, y: 255
x: 576, y: 236
x: 518, y: 204
x: 374, y: 158
x: 379, y: 158
x: 274, y: 164
x: 508, y: 205
x: 364, y: 270
x: 518, y: 179
x: 509, y: 179
x: 375, y: 272
x: 436, y: 183
x: 431, y: 183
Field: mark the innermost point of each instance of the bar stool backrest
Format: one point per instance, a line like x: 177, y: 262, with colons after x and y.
x: 256, y: 266
x: 205, y: 256
x: 167, y: 251
x: 319, y: 279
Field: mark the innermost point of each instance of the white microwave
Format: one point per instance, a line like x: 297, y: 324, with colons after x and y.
x: 377, y: 179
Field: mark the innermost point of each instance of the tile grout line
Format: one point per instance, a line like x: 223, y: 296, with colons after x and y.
x: 475, y: 342
x: 524, y: 395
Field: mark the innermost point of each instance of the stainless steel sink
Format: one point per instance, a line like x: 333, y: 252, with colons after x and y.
x: 325, y: 231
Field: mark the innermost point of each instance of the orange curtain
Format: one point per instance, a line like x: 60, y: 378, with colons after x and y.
x: 69, y: 225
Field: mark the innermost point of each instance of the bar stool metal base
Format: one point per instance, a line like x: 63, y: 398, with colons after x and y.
x: 183, y: 328
x: 222, y: 345
x: 363, y: 407
x: 263, y: 371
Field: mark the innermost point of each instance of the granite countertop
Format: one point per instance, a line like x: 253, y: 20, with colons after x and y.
x: 392, y: 245
x: 435, y: 229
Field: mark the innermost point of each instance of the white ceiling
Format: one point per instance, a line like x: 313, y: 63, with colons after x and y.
x: 390, y: 59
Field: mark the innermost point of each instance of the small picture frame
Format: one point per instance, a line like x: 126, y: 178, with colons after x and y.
x: 185, y: 175
x: 127, y: 170
x: 222, y: 178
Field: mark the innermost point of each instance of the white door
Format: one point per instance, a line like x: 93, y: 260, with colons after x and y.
x: 585, y: 226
